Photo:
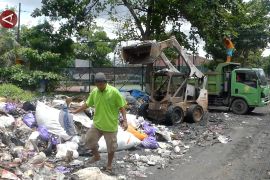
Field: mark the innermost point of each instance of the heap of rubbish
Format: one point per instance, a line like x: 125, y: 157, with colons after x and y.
x: 42, y: 139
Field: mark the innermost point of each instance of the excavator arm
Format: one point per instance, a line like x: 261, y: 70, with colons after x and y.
x: 149, y: 52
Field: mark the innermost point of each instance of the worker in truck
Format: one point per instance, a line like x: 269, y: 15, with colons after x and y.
x: 230, y: 48
x: 107, y: 102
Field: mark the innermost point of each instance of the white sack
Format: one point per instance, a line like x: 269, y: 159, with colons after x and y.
x: 48, y: 117
x: 125, y: 140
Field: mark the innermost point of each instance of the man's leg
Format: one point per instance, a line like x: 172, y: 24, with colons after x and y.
x: 229, y: 58
x: 111, y: 142
x: 91, y: 141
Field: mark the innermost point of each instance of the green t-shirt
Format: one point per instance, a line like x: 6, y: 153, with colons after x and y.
x: 107, y: 104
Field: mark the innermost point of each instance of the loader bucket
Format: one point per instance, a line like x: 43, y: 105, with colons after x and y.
x: 138, y: 54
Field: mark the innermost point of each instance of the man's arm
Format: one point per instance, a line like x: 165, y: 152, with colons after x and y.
x: 124, y: 115
x: 82, y: 108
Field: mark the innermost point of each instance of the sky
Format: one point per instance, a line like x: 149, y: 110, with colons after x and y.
x: 27, y: 7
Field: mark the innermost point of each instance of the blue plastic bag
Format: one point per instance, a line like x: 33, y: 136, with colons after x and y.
x: 44, y: 133
x: 148, y: 129
x: 30, y: 120
x: 10, y: 107
x: 150, y: 143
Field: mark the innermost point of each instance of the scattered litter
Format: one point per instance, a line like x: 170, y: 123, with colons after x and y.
x: 93, y: 173
x: 223, y: 139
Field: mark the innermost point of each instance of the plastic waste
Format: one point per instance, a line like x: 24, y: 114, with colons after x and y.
x: 62, y: 169
x: 30, y: 120
x: 8, y: 175
x: 38, y: 159
x: 66, y: 121
x: 9, y: 107
x: 125, y: 140
x: 43, y: 133
x: 6, y: 121
x: 133, y: 121
x: 28, y: 106
x: 150, y: 142
x: 148, y: 129
x: 49, y: 117
x: 137, y: 134
x: 93, y: 173
x: 62, y: 150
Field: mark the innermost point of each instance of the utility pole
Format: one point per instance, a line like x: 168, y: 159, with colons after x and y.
x: 19, y: 24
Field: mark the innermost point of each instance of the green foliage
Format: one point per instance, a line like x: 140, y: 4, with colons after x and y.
x: 94, y: 46
x: 8, y: 47
x: 28, y: 79
x: 14, y: 92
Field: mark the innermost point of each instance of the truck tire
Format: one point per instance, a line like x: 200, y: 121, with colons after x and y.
x: 250, y: 109
x: 174, y: 115
x: 239, y: 106
x: 142, y: 111
x: 195, y: 113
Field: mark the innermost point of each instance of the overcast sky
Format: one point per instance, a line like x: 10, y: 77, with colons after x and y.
x: 27, y: 7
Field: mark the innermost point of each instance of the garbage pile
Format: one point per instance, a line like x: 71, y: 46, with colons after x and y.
x: 42, y: 139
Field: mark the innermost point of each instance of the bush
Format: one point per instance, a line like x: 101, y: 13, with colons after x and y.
x: 28, y: 79
x: 14, y: 92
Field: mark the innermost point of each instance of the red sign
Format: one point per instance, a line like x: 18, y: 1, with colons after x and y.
x: 8, y: 19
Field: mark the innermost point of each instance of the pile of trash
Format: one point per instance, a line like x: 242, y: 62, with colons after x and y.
x: 43, y: 139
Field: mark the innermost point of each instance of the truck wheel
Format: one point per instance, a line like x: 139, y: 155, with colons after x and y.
x: 174, y: 115
x: 239, y: 106
x: 250, y: 109
x: 142, y: 111
x: 195, y: 113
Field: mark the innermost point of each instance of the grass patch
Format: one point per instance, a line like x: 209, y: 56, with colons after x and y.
x: 11, y: 91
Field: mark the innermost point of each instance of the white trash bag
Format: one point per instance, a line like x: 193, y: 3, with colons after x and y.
x: 125, y: 140
x: 49, y: 117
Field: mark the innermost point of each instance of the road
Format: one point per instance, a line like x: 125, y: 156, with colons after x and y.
x: 246, y: 157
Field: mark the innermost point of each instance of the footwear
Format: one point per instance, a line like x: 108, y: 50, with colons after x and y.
x: 108, y: 171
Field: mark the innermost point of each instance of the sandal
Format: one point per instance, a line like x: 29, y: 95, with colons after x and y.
x: 107, y: 171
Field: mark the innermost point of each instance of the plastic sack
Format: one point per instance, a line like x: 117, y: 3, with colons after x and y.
x: 133, y: 121
x: 66, y: 121
x: 83, y: 119
x: 150, y: 143
x: 48, y: 117
x: 137, y: 134
x: 43, y: 133
x: 148, y: 129
x: 67, y: 146
x: 10, y: 107
x: 6, y: 121
x: 30, y: 120
x: 125, y: 140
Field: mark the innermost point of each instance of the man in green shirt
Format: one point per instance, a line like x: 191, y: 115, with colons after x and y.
x: 107, y: 102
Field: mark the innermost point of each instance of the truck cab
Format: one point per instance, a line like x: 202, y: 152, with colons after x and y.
x: 240, y: 89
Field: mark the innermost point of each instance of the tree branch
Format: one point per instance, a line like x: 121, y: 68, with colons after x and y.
x: 137, y: 21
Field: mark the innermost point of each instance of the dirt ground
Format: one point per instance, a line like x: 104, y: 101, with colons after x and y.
x: 246, y: 157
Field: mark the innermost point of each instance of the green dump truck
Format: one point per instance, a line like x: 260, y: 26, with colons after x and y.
x: 240, y: 89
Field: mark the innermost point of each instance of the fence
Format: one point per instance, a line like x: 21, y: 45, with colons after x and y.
x: 81, y: 79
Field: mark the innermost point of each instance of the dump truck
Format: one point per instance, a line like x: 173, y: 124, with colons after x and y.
x: 240, y: 89
x: 172, y: 98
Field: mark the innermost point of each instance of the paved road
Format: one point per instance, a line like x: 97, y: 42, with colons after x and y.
x: 246, y: 157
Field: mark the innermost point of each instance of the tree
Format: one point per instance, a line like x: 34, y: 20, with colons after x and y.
x: 8, y: 47
x: 210, y: 20
x: 94, y: 45
x: 43, y: 38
